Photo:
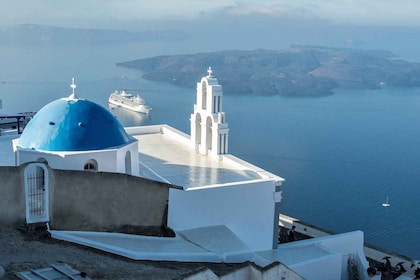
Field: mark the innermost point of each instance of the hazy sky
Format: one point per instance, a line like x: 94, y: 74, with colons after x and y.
x: 105, y: 13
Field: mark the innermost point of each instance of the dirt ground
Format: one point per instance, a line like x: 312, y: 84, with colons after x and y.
x: 21, y: 251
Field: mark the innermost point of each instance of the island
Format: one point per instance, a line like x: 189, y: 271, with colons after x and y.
x: 297, y: 71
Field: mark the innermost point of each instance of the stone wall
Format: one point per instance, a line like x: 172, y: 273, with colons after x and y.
x: 12, y: 198
x: 102, y: 201
x: 81, y: 200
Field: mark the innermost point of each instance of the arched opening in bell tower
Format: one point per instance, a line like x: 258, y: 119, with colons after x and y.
x: 203, y: 95
x: 209, y: 137
x: 198, y: 131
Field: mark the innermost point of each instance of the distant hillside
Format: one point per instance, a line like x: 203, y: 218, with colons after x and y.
x: 297, y: 71
x: 42, y: 34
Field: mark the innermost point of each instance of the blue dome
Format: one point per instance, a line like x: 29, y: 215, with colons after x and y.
x: 73, y: 125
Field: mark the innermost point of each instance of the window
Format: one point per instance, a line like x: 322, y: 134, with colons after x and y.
x: 128, y: 162
x: 91, y: 165
x: 43, y: 160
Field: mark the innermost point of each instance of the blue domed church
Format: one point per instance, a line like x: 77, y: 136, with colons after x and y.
x: 77, y: 134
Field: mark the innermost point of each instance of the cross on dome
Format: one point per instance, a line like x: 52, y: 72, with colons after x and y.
x: 209, y: 71
x: 73, y: 86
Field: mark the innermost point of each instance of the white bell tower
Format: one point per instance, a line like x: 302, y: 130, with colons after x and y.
x: 209, y: 129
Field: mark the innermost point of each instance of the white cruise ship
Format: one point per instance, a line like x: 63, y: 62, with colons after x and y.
x: 129, y: 101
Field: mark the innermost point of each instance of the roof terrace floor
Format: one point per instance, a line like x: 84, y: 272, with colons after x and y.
x: 168, y: 159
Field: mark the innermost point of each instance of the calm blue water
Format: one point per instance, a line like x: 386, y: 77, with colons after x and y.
x: 341, y: 155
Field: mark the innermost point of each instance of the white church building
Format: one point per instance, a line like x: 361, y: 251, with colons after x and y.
x: 227, y: 209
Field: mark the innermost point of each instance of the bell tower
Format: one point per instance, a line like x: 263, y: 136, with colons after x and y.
x: 209, y: 129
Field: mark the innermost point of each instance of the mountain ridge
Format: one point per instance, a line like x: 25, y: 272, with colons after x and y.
x: 300, y: 70
x: 44, y: 34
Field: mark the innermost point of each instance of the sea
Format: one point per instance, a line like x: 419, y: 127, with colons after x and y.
x: 342, y: 155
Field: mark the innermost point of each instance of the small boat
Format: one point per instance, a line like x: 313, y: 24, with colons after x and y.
x: 386, y: 204
x: 129, y: 101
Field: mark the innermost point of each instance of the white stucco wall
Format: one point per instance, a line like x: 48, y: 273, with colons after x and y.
x: 134, y: 154
x: 332, y: 263
x: 74, y: 161
x: 112, y: 160
x: 248, y: 210
x: 328, y: 267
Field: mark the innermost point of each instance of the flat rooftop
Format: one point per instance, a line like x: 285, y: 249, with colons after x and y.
x: 166, y: 155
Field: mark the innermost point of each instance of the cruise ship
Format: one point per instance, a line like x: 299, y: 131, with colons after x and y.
x: 129, y: 101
